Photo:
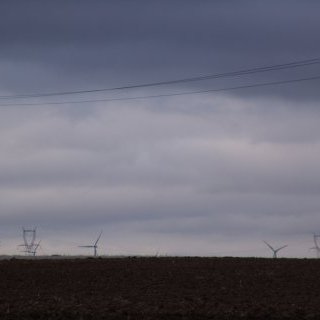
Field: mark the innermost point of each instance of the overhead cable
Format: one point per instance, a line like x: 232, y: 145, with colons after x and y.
x: 264, y: 84
x: 276, y: 67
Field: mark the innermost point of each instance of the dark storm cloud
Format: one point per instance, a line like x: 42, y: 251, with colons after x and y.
x: 60, y: 45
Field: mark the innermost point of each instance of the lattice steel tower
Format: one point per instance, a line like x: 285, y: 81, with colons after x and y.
x: 316, y: 247
x: 29, y: 244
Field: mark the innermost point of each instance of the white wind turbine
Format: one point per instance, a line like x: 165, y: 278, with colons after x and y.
x: 275, y: 251
x: 94, y: 246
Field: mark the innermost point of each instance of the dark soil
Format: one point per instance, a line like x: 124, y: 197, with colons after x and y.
x: 160, y: 288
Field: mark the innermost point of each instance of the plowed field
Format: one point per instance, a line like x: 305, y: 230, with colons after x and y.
x: 160, y: 288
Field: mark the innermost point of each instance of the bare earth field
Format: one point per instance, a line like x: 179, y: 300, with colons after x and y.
x: 160, y: 288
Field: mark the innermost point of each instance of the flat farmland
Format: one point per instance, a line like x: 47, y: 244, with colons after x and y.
x: 160, y: 288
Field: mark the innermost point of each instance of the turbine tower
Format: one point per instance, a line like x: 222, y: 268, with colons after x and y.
x: 275, y: 251
x: 94, y: 246
x: 316, y: 244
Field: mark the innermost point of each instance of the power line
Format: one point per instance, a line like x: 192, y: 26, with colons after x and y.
x: 275, y: 67
x: 169, y: 94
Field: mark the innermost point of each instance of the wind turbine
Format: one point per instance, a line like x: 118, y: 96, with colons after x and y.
x: 316, y: 245
x: 94, y: 246
x: 275, y: 251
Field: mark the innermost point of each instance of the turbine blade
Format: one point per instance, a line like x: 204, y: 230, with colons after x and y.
x: 283, y: 247
x: 98, y: 238
x: 268, y: 245
x: 86, y: 246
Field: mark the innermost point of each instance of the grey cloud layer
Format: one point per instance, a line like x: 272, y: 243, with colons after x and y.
x: 143, y: 172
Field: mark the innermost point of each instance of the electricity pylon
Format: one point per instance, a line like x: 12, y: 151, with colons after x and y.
x: 34, y: 250
x: 29, y: 238
x: 316, y: 244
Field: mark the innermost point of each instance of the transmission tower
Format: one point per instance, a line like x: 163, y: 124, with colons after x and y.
x: 29, y: 238
x: 35, y: 248
x: 316, y: 247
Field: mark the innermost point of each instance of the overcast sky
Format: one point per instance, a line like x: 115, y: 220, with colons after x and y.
x: 202, y: 174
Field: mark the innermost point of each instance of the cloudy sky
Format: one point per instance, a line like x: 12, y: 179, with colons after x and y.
x: 199, y: 174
